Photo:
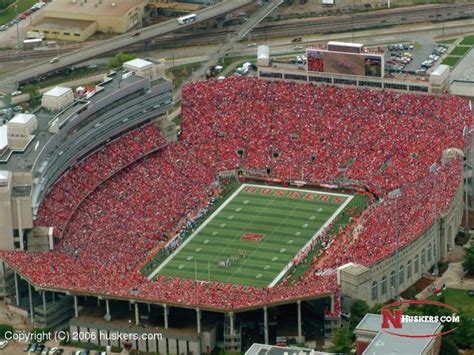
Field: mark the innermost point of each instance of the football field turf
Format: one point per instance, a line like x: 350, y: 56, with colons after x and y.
x: 252, y: 238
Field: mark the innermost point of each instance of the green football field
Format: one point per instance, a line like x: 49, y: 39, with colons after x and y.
x: 252, y: 238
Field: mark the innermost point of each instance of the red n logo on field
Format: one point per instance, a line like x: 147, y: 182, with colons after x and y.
x: 250, y: 189
x: 388, y: 317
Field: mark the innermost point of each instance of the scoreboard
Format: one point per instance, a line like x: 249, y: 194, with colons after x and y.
x: 345, y: 58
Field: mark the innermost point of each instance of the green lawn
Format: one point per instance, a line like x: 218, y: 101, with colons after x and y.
x: 270, y: 225
x: 451, y: 61
x: 180, y: 73
x: 468, y: 41
x: 459, y: 299
x: 447, y: 41
x: 10, y: 13
x: 459, y: 50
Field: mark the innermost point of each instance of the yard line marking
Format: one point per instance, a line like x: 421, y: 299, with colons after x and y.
x: 191, y: 237
x: 328, y: 222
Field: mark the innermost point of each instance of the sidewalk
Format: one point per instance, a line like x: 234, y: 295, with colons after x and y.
x: 453, y: 276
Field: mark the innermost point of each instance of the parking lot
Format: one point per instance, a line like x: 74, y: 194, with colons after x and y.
x: 9, y: 33
x: 412, y: 58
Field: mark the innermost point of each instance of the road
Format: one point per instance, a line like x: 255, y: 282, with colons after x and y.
x: 315, y: 26
x: 265, y: 30
x: 223, y: 50
x: 121, y: 41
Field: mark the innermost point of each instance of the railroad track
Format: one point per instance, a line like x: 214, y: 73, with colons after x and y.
x: 322, y: 25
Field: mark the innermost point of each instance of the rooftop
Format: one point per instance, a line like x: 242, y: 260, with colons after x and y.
x: 50, y: 23
x: 57, y: 91
x: 22, y: 118
x: 354, y: 269
x: 262, y: 349
x: 385, y: 343
x: 89, y: 8
x: 440, y: 69
x: 138, y: 63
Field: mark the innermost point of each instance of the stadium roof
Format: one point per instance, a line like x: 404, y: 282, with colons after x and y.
x: 22, y: 118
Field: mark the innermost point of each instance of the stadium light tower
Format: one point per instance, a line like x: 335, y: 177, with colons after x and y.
x: 434, y: 170
x: 395, y: 194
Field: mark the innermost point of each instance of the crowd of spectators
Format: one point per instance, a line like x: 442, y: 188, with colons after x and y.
x: 62, y: 200
x: 113, y: 211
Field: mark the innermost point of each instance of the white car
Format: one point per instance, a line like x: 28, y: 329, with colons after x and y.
x: 3, y: 344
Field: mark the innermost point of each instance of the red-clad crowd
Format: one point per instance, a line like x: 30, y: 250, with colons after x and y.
x: 62, y: 200
x: 119, y: 213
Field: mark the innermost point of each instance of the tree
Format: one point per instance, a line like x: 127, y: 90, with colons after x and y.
x: 463, y: 336
x: 358, y: 310
x: 448, y: 347
x: 119, y: 59
x: 468, y: 264
x: 5, y: 328
x: 341, y: 341
x: 33, y: 91
x: 376, y: 308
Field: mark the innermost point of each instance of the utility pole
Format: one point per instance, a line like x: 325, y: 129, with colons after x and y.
x: 17, y: 26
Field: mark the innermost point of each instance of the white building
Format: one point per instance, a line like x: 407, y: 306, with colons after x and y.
x: 263, y: 56
x: 20, y: 130
x: 57, y: 98
x: 145, y: 68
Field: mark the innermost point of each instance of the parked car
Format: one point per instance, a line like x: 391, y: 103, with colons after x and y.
x: 3, y: 344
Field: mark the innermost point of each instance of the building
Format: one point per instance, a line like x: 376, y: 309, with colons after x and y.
x: 371, y: 340
x: 145, y: 68
x: 263, y: 56
x: 57, y: 98
x: 76, y: 20
x: 15, y: 208
x: 65, y: 30
x: 439, y: 78
x: 20, y: 130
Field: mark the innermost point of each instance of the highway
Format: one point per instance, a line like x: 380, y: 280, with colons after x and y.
x: 323, y: 25
x: 121, y: 41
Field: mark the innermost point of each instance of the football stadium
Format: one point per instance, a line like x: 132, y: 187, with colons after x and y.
x: 277, y: 206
